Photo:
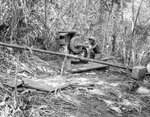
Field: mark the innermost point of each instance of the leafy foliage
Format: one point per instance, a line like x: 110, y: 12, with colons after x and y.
x: 35, y: 22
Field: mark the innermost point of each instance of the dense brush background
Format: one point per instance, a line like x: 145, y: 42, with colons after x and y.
x: 35, y: 22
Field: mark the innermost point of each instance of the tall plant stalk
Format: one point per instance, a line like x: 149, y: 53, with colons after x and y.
x: 45, y: 13
x: 132, y: 15
x: 16, y: 74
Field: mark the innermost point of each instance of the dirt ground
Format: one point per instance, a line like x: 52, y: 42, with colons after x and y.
x: 99, y: 93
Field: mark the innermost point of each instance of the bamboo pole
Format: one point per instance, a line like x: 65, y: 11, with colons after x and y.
x: 62, y: 54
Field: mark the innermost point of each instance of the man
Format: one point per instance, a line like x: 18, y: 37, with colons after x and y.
x: 92, y: 47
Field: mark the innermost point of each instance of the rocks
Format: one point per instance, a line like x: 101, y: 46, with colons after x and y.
x: 143, y: 90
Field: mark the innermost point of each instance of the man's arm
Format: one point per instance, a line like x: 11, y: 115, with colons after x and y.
x: 94, y: 46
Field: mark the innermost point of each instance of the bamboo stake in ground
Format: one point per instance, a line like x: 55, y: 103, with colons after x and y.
x: 63, y: 66
x: 65, y: 59
x: 16, y: 74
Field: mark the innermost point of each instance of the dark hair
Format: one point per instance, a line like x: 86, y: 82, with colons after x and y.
x: 92, y: 41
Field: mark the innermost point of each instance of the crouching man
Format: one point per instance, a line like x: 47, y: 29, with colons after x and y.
x: 93, y: 47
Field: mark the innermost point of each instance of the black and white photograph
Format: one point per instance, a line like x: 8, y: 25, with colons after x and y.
x: 74, y: 58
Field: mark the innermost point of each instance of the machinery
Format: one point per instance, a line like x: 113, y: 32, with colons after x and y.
x: 74, y: 43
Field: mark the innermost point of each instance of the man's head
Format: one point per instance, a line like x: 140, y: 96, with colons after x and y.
x: 92, y: 39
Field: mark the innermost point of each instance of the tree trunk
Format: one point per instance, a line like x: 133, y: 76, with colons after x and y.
x: 135, y: 20
x: 114, y: 36
x: 133, y: 31
x: 123, y: 34
x: 113, y: 44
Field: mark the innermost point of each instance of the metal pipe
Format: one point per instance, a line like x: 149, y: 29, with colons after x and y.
x: 62, y: 54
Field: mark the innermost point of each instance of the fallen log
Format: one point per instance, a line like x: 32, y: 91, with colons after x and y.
x: 46, y: 85
x: 87, y: 67
x: 62, y: 54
